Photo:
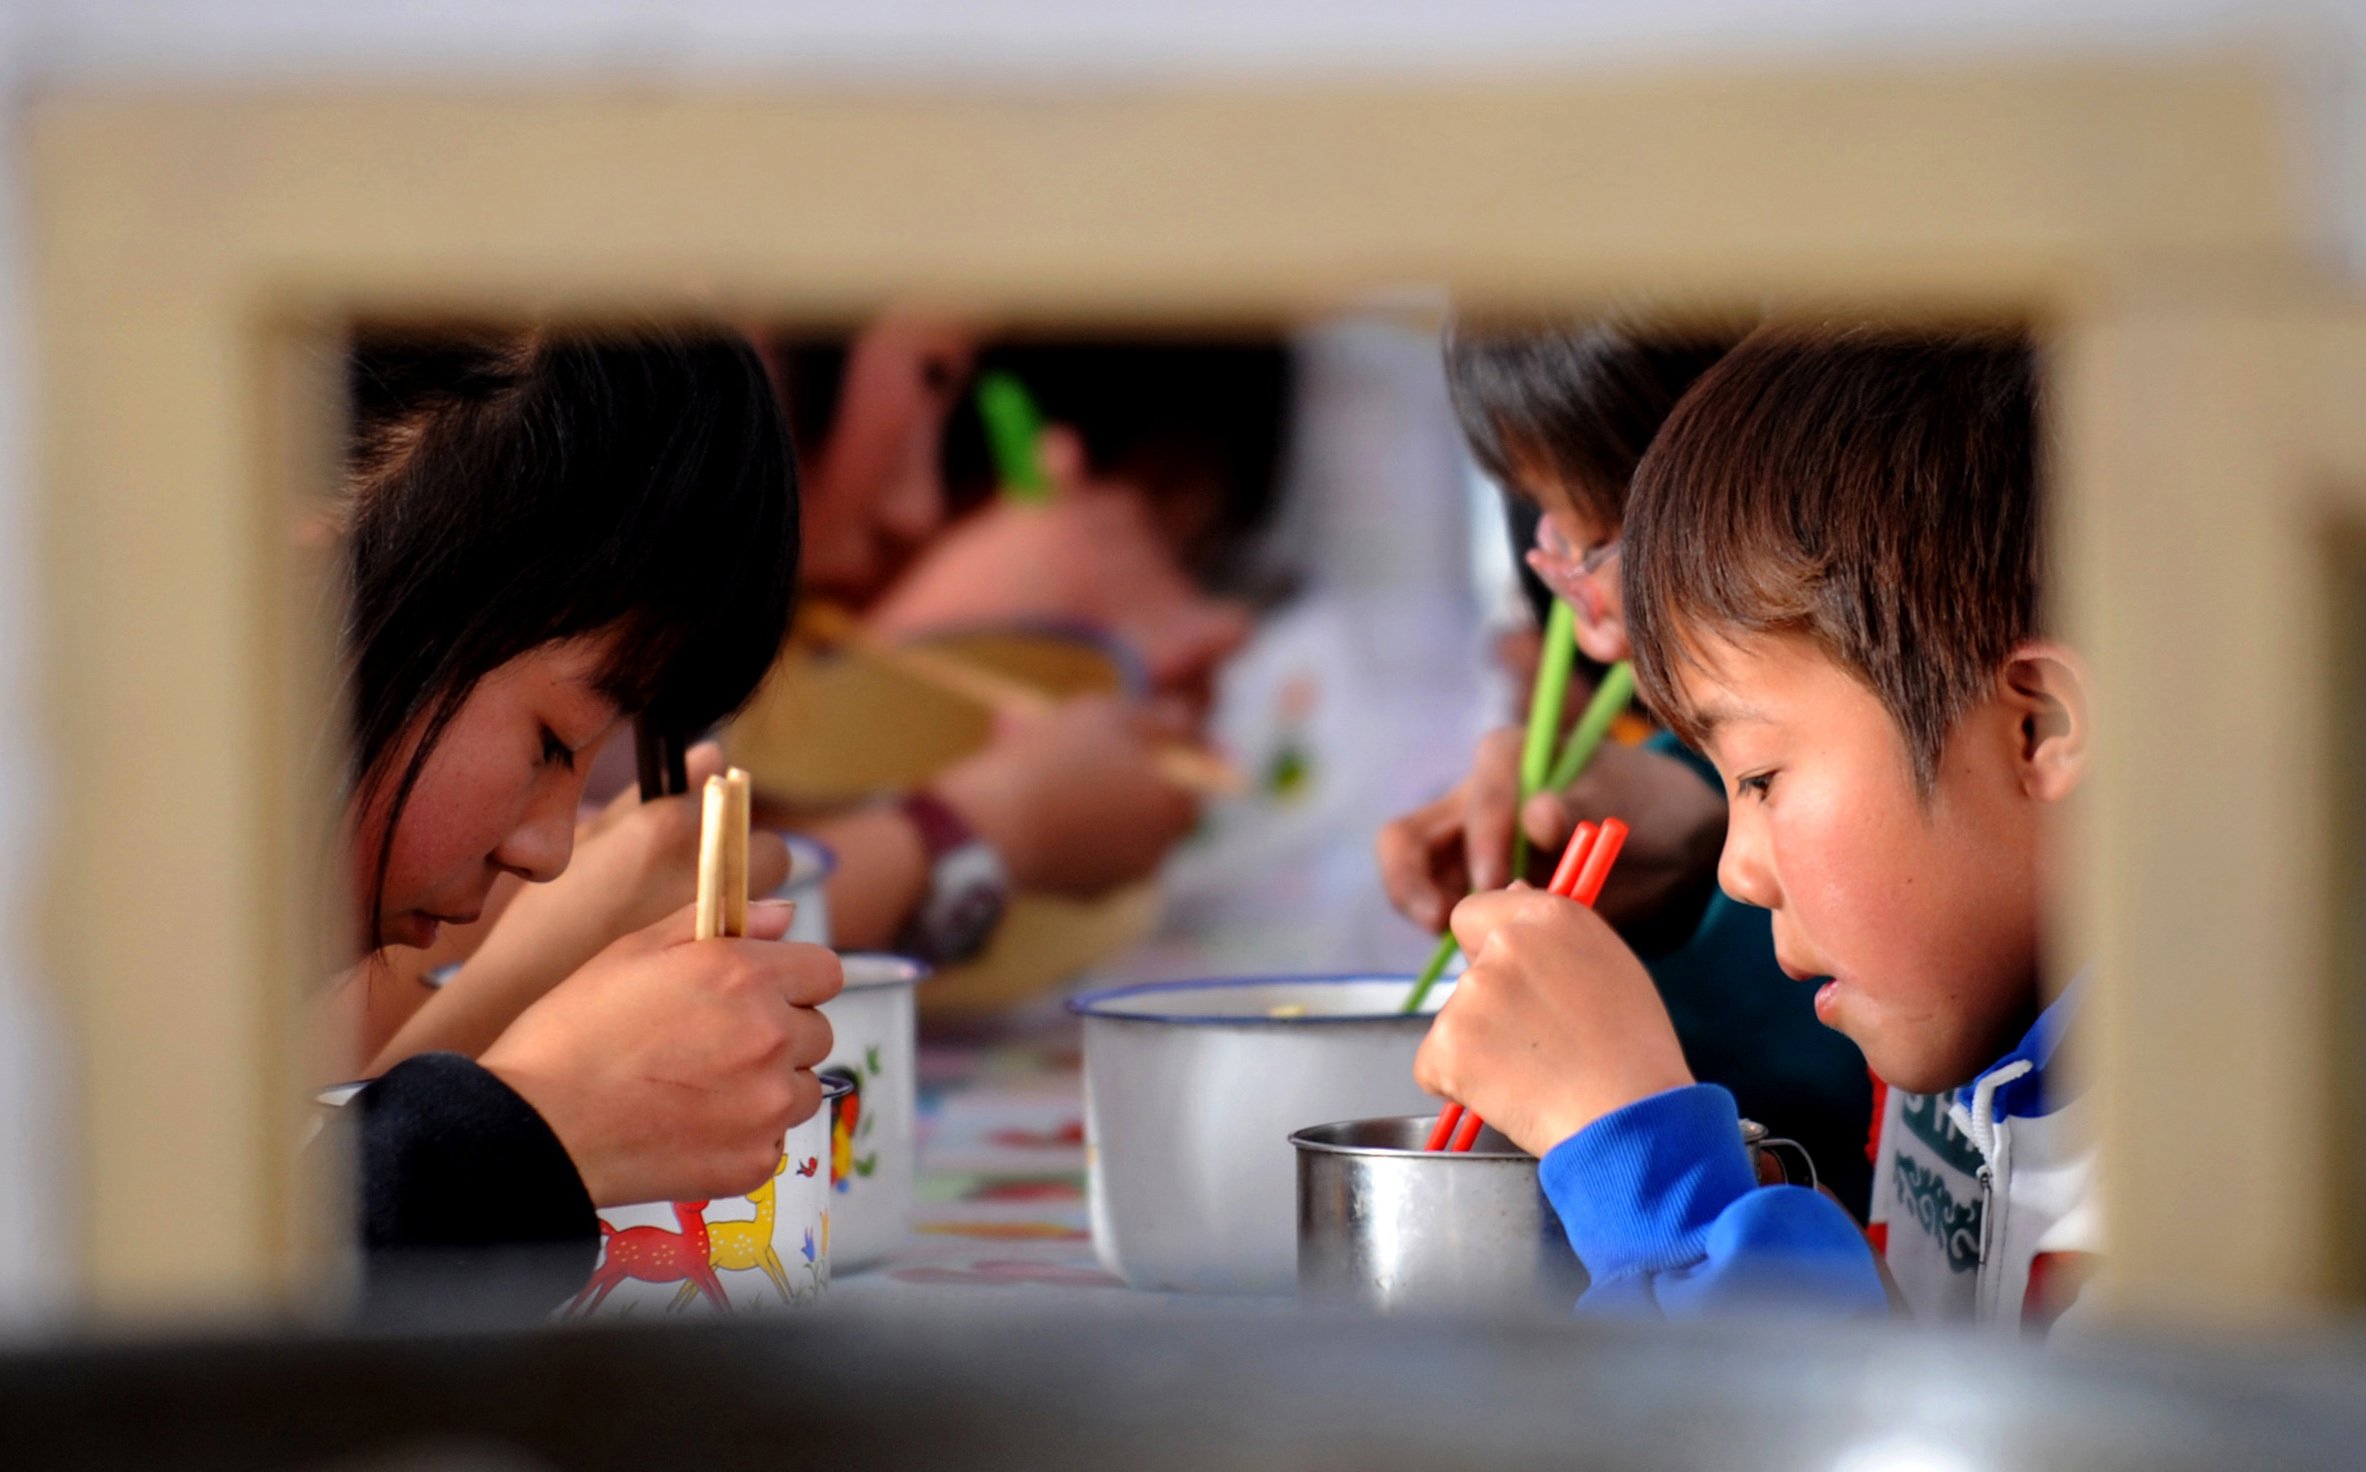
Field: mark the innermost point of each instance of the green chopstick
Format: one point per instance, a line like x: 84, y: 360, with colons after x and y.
x: 1014, y: 433
x: 1436, y: 968
x: 1610, y: 701
x: 1536, y: 763
x: 1544, y: 717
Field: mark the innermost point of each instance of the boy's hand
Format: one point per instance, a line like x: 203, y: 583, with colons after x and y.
x: 671, y: 1068
x: 1554, y: 1025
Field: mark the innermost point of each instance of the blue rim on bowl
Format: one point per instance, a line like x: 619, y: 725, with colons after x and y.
x: 801, y: 848
x: 1095, y: 1004
x: 899, y: 970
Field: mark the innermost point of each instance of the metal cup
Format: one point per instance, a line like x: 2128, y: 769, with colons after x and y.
x: 1388, y: 1226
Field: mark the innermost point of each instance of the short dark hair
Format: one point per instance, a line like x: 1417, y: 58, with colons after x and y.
x: 1581, y: 399
x: 1873, y: 488
x: 507, y: 489
x: 1176, y: 417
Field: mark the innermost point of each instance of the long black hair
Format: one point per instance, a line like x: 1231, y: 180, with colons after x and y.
x: 506, y: 489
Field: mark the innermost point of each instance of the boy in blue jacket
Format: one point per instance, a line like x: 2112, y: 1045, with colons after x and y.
x: 1559, y: 413
x: 1832, y: 586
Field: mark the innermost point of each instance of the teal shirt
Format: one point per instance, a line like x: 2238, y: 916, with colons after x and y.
x: 1747, y: 1026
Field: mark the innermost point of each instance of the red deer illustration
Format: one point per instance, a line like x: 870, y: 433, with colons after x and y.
x: 655, y: 1255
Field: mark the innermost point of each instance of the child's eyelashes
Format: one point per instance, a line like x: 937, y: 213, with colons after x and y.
x: 1758, y: 786
x: 556, y: 752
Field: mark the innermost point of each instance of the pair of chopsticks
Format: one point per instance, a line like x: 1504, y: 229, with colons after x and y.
x: 722, y: 831
x: 1538, y: 771
x: 723, y: 857
x: 1187, y: 767
x: 1584, y: 867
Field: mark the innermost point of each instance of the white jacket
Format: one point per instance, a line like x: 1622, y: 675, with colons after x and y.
x: 1983, y: 1202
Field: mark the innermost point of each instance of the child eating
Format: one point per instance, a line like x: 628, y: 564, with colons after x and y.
x: 1832, y: 587
x: 1560, y: 414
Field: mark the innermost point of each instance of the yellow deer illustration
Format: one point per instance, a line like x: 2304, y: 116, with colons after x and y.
x: 747, y: 1244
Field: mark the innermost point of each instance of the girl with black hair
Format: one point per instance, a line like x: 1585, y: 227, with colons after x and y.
x: 547, y: 535
x: 1069, y: 803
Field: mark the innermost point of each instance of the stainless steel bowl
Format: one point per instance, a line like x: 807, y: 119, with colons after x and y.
x: 1388, y: 1226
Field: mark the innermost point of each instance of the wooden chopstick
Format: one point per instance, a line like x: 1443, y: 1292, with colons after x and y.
x: 735, y: 851
x: 1187, y: 767
x: 1584, y: 867
x: 723, y: 857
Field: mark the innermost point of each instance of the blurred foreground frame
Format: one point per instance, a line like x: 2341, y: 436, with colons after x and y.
x: 198, y: 249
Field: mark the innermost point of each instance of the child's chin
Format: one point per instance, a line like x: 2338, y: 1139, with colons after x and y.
x: 1904, y: 1066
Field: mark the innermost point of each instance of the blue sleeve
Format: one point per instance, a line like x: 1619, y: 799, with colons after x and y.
x: 1659, y: 1202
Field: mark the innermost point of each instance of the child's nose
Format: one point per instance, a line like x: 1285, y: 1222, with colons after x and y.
x: 540, y: 845
x: 1742, y: 869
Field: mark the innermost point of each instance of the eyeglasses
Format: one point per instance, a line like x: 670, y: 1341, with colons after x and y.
x: 1573, y: 575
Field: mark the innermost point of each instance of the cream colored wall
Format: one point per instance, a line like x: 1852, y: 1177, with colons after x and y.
x: 2215, y: 449
x: 179, y: 234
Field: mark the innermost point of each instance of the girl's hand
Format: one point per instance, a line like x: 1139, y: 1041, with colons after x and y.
x: 635, y: 863
x: 671, y: 1068
x: 1554, y: 1025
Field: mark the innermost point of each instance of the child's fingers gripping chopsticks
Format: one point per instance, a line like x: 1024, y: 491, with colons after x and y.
x: 1458, y: 1129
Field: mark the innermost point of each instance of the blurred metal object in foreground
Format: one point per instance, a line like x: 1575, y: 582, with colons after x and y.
x: 1172, y: 1387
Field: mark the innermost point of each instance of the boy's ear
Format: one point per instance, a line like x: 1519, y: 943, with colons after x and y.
x: 2045, y: 688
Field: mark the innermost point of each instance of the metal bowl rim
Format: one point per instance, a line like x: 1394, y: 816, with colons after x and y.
x: 1088, y: 1004
x: 1299, y: 1139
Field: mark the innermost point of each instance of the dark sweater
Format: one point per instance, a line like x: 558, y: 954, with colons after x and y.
x: 468, y: 1202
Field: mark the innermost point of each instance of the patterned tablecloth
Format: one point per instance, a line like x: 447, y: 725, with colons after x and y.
x: 1001, y: 1214
x: 1001, y: 1187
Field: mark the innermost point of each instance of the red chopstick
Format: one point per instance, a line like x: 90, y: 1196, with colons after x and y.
x: 1584, y: 868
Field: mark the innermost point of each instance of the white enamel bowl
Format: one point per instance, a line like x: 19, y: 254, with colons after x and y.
x: 1192, y: 1091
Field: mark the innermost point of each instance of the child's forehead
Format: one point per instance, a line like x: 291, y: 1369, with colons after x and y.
x: 1735, y: 678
